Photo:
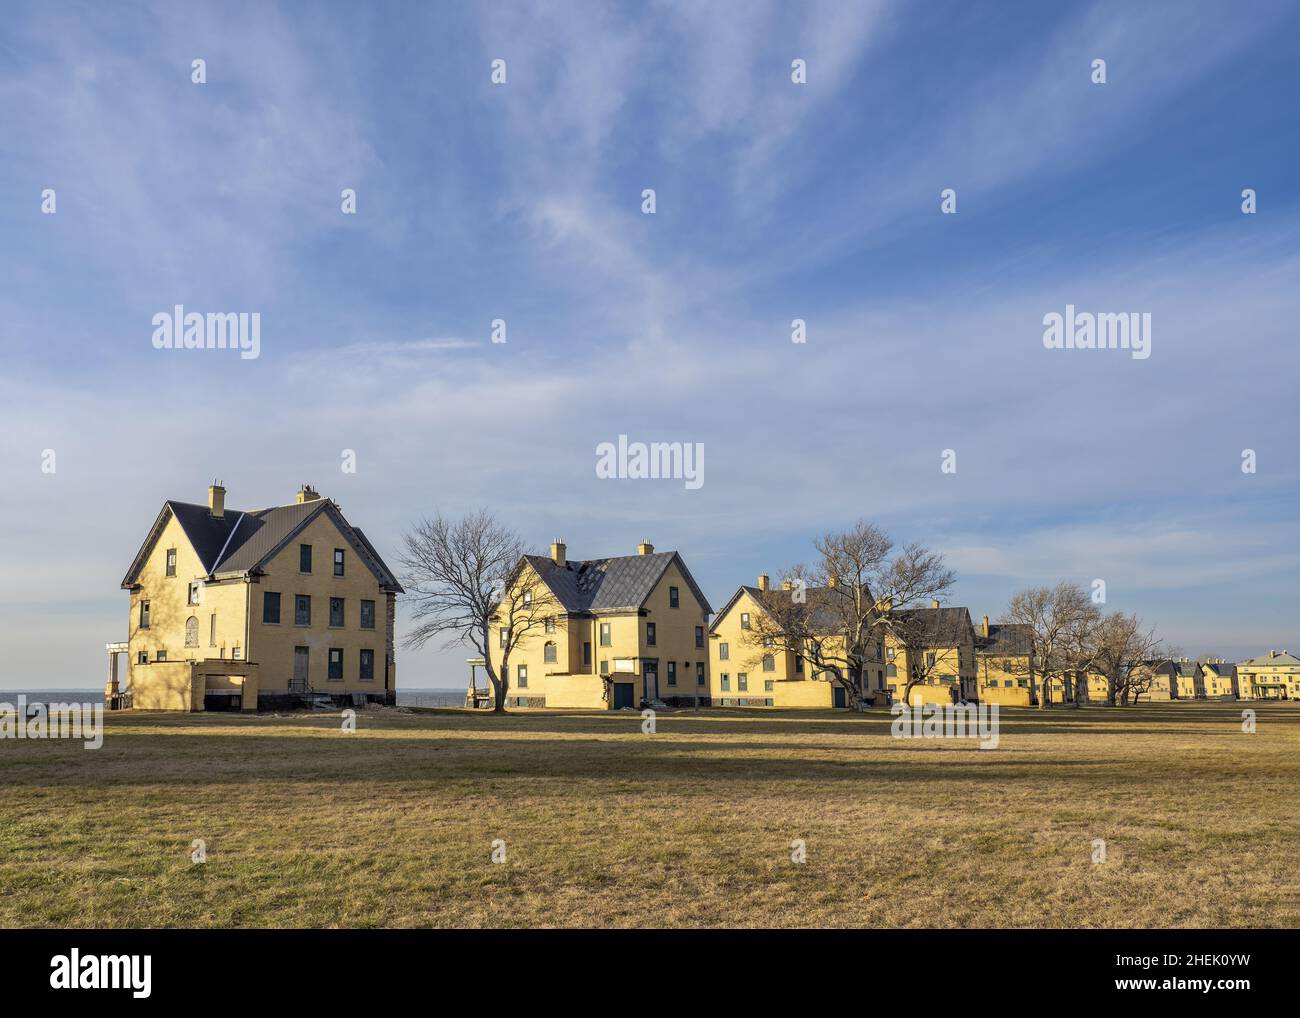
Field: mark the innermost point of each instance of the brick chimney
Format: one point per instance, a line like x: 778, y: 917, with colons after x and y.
x: 986, y: 625
x: 934, y: 603
x: 645, y: 548
x: 307, y: 494
x: 557, y: 553
x: 216, y: 500
x: 763, y: 581
x: 786, y: 585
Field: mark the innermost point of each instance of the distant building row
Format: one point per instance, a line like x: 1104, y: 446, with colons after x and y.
x: 636, y: 628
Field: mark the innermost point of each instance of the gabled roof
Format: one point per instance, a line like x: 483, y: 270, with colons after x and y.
x: 936, y: 627
x: 1006, y: 639
x: 1264, y: 660
x: 823, y: 616
x: 1221, y: 668
x: 610, y: 584
x: 243, y: 542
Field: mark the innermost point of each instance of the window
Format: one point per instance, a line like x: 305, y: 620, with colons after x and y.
x: 1006, y: 683
x: 769, y: 663
x: 798, y: 665
x: 892, y: 671
x: 271, y: 607
x: 196, y: 593
x: 724, y: 652
x: 650, y: 634
x: 336, y: 664
x: 768, y: 685
x: 142, y: 658
x: 144, y: 614
x: 302, y: 610
x: 699, y: 636
x: 744, y: 620
x: 674, y: 598
x: 367, y: 614
x: 161, y: 655
x: 336, y: 612
x: 604, y: 667
x: 548, y: 652
x: 338, y: 561
x: 672, y: 673
x: 528, y: 597
x: 367, y: 672
x: 586, y: 652
x: 503, y: 636
x: 606, y: 640
x: 699, y: 673
x: 304, y: 558
x: 212, y: 630
x: 522, y: 680
x: 171, y: 561
x: 726, y: 682
x: 742, y: 682
x: 550, y: 625
x: 192, y: 631
x: 929, y: 659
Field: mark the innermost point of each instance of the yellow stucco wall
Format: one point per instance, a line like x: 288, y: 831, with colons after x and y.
x: 272, y: 645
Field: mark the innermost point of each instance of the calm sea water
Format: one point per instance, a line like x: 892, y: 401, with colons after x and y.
x: 405, y: 697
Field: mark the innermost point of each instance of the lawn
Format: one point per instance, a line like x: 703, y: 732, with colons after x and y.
x: 605, y: 826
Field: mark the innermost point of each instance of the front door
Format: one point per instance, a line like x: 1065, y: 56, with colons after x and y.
x: 838, y: 693
x: 651, y: 684
x: 300, y: 658
x: 623, y: 695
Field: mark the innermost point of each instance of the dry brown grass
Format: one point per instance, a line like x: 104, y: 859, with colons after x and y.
x: 605, y: 826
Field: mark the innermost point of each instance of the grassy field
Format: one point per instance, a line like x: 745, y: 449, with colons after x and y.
x: 605, y: 826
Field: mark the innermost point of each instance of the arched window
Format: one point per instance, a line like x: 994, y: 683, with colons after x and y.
x: 548, y: 652
x: 192, y: 631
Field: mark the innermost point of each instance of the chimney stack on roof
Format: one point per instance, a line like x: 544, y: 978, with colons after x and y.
x: 786, y: 585
x: 986, y: 625
x: 216, y: 500
x: 645, y: 548
x: 934, y: 603
x: 763, y: 581
x: 307, y: 494
x: 558, y: 552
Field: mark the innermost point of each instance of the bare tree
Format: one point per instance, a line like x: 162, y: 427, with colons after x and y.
x: 1060, y: 621
x: 834, y: 615
x: 462, y: 577
x: 1123, y: 649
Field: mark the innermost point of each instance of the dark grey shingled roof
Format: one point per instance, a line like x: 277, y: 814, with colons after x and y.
x: 1012, y: 639
x: 1222, y: 668
x: 242, y: 542
x: 609, y: 584
x: 935, y: 627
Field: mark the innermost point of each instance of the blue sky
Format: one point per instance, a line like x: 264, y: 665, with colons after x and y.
x: 775, y: 201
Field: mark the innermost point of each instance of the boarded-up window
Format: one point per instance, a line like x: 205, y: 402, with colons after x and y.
x: 192, y: 632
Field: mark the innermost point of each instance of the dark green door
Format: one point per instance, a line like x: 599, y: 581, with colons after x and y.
x: 623, y: 695
x: 838, y: 694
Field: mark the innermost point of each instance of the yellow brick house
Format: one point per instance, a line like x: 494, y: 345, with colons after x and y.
x: 624, y: 630
x: 1002, y: 652
x: 1219, y: 679
x: 941, y: 655
x: 1271, y: 676
x: 234, y: 609
x: 746, y: 672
